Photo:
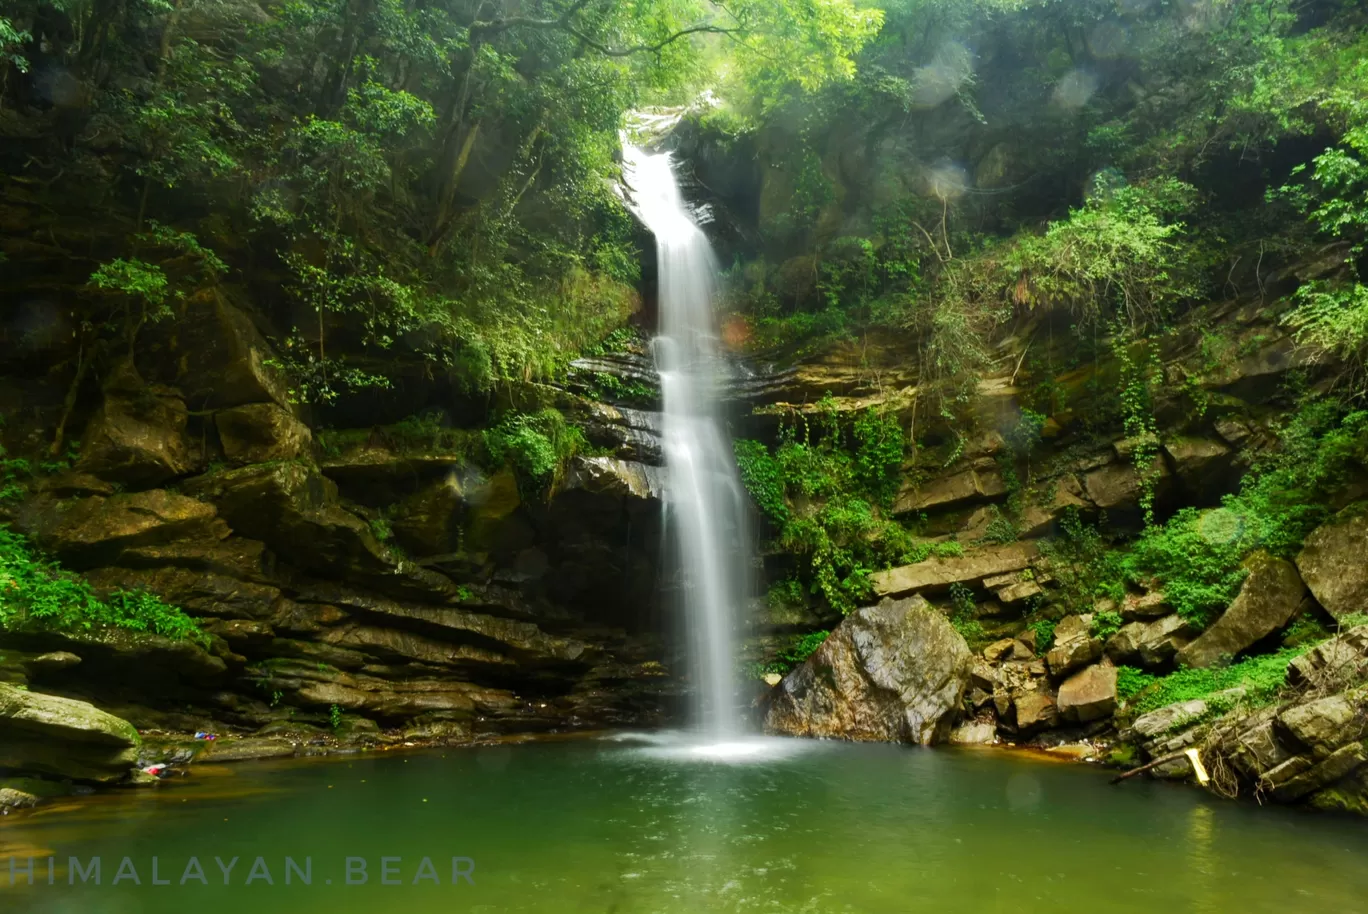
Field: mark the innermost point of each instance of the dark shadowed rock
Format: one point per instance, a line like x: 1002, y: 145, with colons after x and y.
x: 213, y: 352
x: 122, y: 656
x: 293, y: 508
x: 894, y: 672
x: 137, y: 436
x: 90, y: 531
x: 1203, y: 465
x: 429, y: 521
x: 1117, y: 485
x: 261, y: 432
x: 198, y: 593
x: 1267, y: 601
x: 1334, y: 564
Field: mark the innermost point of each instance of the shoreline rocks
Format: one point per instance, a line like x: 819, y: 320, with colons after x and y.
x: 894, y: 672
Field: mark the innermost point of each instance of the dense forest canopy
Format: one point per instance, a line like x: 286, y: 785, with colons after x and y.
x: 430, y: 175
x: 399, y: 181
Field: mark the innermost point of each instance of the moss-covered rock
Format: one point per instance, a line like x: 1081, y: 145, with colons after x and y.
x: 260, y: 433
x: 63, y: 738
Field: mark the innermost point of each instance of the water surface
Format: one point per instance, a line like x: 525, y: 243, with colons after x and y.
x: 622, y: 826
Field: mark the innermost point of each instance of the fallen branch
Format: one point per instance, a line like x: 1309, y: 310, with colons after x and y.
x: 1143, y: 768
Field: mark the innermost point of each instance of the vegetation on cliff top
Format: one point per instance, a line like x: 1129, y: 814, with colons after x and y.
x: 422, y: 182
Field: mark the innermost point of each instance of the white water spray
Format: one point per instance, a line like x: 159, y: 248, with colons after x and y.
x: 704, y: 502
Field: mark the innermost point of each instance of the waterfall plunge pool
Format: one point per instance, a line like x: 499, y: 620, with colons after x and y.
x: 658, y: 824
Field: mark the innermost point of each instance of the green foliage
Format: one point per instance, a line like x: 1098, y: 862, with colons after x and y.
x: 1000, y: 530
x: 1197, y: 556
x: 824, y: 492
x: 1106, y: 622
x: 335, y: 716
x: 1044, y: 635
x: 37, y: 594
x: 391, y: 167
x: 604, y: 386
x: 1122, y: 254
x: 1131, y: 681
x: 1023, y: 437
x: 1261, y: 677
x: 962, y: 609
x: 1084, y: 568
x: 15, y: 474
x: 623, y: 339
x: 800, y: 648
x: 538, y: 445
x: 763, y: 479
x: 12, y: 41
x: 879, y: 447
x: 1140, y: 379
x: 1332, y: 317
x: 381, y: 529
x: 135, y: 278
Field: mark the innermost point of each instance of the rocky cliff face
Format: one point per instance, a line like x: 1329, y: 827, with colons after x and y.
x: 363, y: 588
x: 1047, y: 676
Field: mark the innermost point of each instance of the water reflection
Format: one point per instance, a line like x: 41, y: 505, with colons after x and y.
x: 663, y: 823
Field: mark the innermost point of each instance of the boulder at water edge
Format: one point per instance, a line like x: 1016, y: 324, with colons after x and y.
x: 60, y: 737
x: 895, y: 672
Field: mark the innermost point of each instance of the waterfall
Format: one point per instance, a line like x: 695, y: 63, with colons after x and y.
x: 704, y: 501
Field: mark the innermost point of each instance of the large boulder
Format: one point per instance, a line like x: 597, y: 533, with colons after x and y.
x: 1203, y: 465
x: 1268, y: 600
x: 939, y: 573
x: 1334, y: 563
x: 1325, y: 724
x: 59, y: 737
x: 86, y: 532
x: 895, y: 672
x: 1035, y: 711
x: 1089, y: 694
x: 1151, y: 644
x: 429, y: 521
x: 1074, y: 646
x: 213, y: 352
x: 1118, y: 485
x: 137, y: 436
x: 261, y: 432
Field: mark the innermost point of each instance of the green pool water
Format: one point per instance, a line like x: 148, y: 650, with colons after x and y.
x: 625, y: 826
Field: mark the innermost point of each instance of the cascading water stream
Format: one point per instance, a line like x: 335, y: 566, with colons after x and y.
x: 704, y: 502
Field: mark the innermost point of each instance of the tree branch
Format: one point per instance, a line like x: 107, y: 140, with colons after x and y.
x: 564, y: 23
x: 652, y: 48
